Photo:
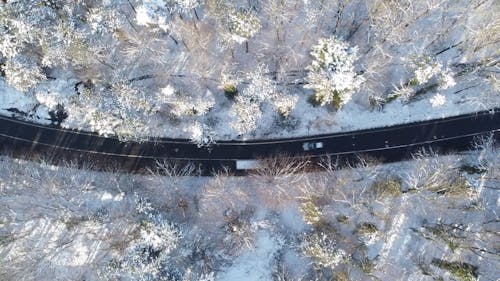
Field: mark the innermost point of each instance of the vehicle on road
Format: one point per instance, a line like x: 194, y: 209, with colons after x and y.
x: 248, y: 164
x: 312, y: 145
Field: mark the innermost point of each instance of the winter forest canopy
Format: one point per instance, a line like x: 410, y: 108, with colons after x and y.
x: 432, y: 218
x: 215, y: 69
x: 219, y: 69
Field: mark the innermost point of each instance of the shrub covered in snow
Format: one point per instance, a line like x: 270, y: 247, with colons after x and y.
x: 202, y: 134
x: 247, y: 107
x: 427, y: 69
x: 323, y: 250
x: 311, y: 213
x: 247, y: 115
x: 427, y: 74
x: 285, y: 104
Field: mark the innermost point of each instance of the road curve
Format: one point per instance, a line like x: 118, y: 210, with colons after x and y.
x: 389, y: 143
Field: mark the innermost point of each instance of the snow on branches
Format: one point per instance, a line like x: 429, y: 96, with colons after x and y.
x: 331, y: 73
x: 243, y: 25
x: 148, y: 44
x: 202, y: 134
x: 182, y: 6
x: 248, y: 104
x: 38, y: 33
x: 429, y: 70
x: 23, y: 73
x: 126, y: 111
x: 234, y: 24
x: 121, y: 110
x: 152, y: 12
x: 148, y: 251
x: 427, y: 73
x: 183, y: 105
x: 247, y: 113
x: 437, y: 100
x: 323, y: 250
x: 159, y: 12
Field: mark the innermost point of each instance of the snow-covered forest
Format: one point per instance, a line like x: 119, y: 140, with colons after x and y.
x: 431, y: 218
x: 209, y: 70
x: 220, y: 69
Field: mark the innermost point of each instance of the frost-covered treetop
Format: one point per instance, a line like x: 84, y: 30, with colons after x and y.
x: 22, y: 72
x: 428, y: 69
x: 333, y: 54
x: 152, y: 12
x: 243, y: 25
x: 182, y: 6
x: 331, y: 72
x: 158, y: 12
x: 260, y: 90
x: 261, y: 87
x: 247, y: 107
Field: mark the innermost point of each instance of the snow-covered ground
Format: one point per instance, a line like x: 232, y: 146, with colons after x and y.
x: 215, y: 69
x: 426, y: 219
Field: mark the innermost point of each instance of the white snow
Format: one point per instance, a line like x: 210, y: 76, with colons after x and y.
x: 255, y: 264
x: 437, y: 100
x: 12, y: 98
x: 152, y: 12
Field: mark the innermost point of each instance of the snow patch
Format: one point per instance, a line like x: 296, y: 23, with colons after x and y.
x: 437, y: 100
x: 255, y: 264
x: 12, y: 98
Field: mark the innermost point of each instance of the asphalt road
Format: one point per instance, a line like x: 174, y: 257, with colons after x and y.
x: 388, y: 143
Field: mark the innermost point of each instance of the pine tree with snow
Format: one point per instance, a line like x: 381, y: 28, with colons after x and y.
x: 243, y: 25
x: 331, y: 73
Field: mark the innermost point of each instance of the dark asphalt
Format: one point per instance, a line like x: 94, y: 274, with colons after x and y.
x: 389, y: 143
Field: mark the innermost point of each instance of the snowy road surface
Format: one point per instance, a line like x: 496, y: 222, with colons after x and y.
x: 389, y: 143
